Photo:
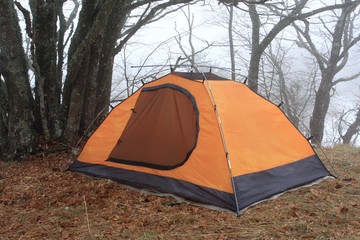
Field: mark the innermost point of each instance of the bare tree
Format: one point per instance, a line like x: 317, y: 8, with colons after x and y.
x: 286, y: 16
x: 341, y: 38
x: 353, y: 127
x: 294, y: 89
x: 190, y: 53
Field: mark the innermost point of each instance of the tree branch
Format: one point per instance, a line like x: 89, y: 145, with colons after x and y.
x: 346, y: 79
x: 310, y: 46
x: 27, y: 18
x: 296, y: 14
x: 145, y: 20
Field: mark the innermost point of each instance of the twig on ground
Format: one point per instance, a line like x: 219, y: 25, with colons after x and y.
x: 87, y: 217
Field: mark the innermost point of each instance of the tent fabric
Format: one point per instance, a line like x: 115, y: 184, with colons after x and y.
x: 164, y: 126
x: 166, y: 138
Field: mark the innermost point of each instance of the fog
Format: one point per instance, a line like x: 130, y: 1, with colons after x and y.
x: 155, y: 44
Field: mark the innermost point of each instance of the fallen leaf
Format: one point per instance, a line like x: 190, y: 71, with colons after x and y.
x: 315, y: 192
x: 344, y: 210
x: 293, y: 212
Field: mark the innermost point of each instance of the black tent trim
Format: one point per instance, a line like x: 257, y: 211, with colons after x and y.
x: 159, y: 184
x: 265, y: 184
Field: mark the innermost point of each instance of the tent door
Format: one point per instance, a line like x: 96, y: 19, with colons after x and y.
x: 162, y: 131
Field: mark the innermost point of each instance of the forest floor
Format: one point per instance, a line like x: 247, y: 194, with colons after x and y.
x: 38, y: 201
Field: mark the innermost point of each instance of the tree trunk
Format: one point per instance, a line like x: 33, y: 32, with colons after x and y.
x: 330, y: 64
x: 21, y: 136
x: 64, y: 25
x: 231, y: 41
x: 45, y: 57
x: 253, y: 74
x: 113, y: 28
x: 92, y: 21
x: 90, y: 102
x: 95, y: 77
x: 3, y: 117
x: 79, y: 79
x: 76, y: 104
x: 352, y: 130
x: 321, y: 106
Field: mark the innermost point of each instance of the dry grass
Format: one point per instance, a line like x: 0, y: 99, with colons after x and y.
x: 39, y: 202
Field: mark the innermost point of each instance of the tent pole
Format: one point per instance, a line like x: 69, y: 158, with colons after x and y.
x: 225, y: 146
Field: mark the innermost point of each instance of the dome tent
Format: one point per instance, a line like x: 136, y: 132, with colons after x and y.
x: 203, y: 138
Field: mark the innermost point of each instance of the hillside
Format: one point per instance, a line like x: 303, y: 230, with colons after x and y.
x: 38, y: 201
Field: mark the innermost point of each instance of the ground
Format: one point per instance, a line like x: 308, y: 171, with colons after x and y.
x: 39, y: 201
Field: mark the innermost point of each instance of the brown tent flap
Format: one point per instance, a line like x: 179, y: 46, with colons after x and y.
x: 162, y: 131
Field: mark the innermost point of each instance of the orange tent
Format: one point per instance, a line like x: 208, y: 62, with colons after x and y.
x: 212, y: 141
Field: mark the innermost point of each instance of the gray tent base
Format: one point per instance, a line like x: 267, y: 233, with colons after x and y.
x: 212, y: 207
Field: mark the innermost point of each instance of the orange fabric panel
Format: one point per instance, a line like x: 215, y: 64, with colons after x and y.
x: 258, y: 135
x: 102, y: 141
x: 207, y: 165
